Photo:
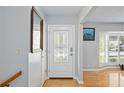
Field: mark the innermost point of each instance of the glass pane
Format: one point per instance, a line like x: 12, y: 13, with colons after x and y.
x: 61, y: 47
x: 113, y: 49
x: 121, y: 48
x: 102, y: 47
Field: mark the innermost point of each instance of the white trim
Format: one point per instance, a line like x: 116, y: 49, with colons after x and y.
x: 75, y: 78
x: 48, y: 51
x: 44, y: 81
x: 98, y: 69
x: 73, y: 39
x: 47, y: 78
x: 79, y: 81
x: 107, y: 34
x: 80, y: 52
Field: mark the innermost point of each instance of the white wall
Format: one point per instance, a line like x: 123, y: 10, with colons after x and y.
x: 81, y: 17
x: 91, y: 48
x: 84, y: 12
x: 66, y: 20
x: 105, y: 14
x: 35, y: 72
x: 80, y: 53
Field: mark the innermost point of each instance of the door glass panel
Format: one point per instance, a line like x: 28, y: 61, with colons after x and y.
x: 121, y: 48
x: 113, y: 49
x: 60, y: 46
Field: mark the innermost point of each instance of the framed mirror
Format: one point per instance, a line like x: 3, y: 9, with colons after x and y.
x: 36, y: 31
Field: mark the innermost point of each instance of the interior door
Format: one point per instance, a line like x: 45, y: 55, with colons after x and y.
x: 61, y: 51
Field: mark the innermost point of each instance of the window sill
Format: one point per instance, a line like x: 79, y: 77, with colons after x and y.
x: 108, y: 64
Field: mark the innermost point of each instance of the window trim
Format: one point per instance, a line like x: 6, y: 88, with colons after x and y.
x: 106, y: 41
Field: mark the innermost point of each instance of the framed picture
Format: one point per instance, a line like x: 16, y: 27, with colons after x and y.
x: 88, y: 34
x: 36, y: 31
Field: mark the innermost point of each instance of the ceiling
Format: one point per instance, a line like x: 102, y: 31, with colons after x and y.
x: 61, y: 10
x: 106, y: 14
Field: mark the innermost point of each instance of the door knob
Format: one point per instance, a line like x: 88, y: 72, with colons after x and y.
x: 71, y: 49
x: 71, y: 54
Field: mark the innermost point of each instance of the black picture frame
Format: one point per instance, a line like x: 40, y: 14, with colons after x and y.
x: 88, y: 34
x: 36, y: 31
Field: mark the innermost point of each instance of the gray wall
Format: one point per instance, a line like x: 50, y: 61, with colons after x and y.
x: 16, y: 27
x: 1, y: 34
x: 15, y: 48
x: 66, y: 20
x: 91, y: 48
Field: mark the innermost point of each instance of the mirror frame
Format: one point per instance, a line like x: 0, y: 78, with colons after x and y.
x: 41, y: 22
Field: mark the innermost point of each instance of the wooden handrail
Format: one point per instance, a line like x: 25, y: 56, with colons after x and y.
x: 12, y: 78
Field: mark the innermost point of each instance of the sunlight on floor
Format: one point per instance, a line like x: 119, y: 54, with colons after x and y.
x: 103, y: 78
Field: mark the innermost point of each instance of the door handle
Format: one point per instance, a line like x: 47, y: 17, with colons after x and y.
x: 71, y: 49
x: 71, y: 54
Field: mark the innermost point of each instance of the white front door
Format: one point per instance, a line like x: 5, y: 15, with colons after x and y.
x: 61, y: 51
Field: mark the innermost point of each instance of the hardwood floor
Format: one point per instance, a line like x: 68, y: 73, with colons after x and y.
x: 111, y: 77
x: 61, y: 83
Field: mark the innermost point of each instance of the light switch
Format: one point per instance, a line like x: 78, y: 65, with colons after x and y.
x: 18, y: 51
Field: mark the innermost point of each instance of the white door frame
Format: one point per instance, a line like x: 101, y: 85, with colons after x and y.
x: 73, y: 33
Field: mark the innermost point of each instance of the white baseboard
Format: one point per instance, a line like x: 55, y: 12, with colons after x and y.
x: 47, y: 78
x: 75, y: 78
x: 79, y: 82
x: 44, y: 81
x: 98, y: 69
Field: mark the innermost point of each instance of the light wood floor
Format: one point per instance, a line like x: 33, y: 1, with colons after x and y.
x: 112, y: 77
x: 61, y: 83
x: 104, y: 78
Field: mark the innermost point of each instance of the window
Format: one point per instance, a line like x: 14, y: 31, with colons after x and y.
x: 111, y: 47
x: 121, y: 49
x: 102, y: 47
